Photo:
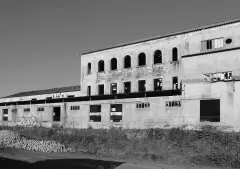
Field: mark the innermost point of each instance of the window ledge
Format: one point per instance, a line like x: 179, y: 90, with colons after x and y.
x: 174, y: 62
x: 115, y: 70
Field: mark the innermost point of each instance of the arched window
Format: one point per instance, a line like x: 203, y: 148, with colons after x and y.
x: 127, y: 61
x: 89, y: 68
x: 113, y: 64
x: 157, y: 56
x: 100, y: 66
x: 141, y: 59
x: 174, y: 54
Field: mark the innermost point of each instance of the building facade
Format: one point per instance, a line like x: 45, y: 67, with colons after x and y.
x: 183, y: 78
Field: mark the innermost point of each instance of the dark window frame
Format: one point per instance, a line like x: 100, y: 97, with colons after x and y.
x: 157, y: 57
x: 101, y: 66
x: 142, y: 59
x: 112, y: 86
x: 113, y: 64
x: 126, y: 89
x: 101, y: 89
x: 140, y: 87
x: 127, y: 62
x: 89, y: 68
x: 156, y: 86
x: 175, y: 54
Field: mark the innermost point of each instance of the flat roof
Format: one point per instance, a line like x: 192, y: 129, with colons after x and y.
x: 46, y: 91
x: 169, y: 35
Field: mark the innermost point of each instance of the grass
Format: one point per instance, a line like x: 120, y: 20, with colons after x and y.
x: 208, y: 146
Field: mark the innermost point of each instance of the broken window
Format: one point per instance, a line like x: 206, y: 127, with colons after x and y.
x: 157, y: 56
x: 40, y: 109
x: 95, y: 113
x: 127, y: 87
x: 113, y: 88
x: 5, y: 114
x: 26, y: 110
x: 89, y: 68
x: 75, y: 108
x: 56, y: 113
x: 101, y: 89
x: 141, y: 59
x: 127, y: 61
x: 210, y: 110
x: 175, y: 83
x: 116, y: 112
x: 101, y: 66
x: 212, y: 44
x: 113, y: 64
x: 142, y: 85
x: 158, y: 84
x: 175, y: 54
x: 89, y: 90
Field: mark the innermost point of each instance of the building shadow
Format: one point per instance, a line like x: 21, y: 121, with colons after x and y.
x: 59, y: 164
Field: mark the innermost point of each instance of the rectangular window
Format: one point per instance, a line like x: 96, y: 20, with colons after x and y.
x: 116, y: 112
x: 26, y: 110
x: 101, y: 89
x: 75, y: 108
x: 173, y: 103
x: 89, y: 90
x: 113, y: 88
x: 158, y: 84
x: 142, y: 105
x: 14, y: 110
x: 142, y: 85
x: 175, y: 83
x: 212, y: 44
x: 95, y: 113
x: 5, y: 114
x: 220, y: 76
x: 56, y: 113
x: 210, y: 110
x: 127, y: 87
x: 40, y: 109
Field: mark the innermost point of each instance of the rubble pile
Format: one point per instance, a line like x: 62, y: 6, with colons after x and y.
x: 10, y: 139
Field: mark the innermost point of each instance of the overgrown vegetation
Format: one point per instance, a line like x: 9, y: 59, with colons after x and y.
x: 208, y: 146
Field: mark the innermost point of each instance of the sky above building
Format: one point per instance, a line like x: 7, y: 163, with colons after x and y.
x: 41, y: 40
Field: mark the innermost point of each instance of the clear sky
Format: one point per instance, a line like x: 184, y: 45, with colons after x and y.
x: 41, y: 40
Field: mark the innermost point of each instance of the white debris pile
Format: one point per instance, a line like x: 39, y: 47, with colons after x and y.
x: 9, y: 139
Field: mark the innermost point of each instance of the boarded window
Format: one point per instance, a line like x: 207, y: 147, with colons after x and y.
x: 142, y: 85
x: 127, y: 87
x: 5, y: 114
x: 100, y: 66
x: 95, y: 113
x: 116, y: 112
x: 210, y: 110
x: 89, y: 68
x: 175, y: 83
x: 127, y: 61
x: 101, y: 89
x: 175, y: 54
x: 157, y: 56
x: 113, y: 64
x: 113, y: 88
x: 141, y: 59
x: 158, y: 84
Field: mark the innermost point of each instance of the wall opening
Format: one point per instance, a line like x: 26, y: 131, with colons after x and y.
x: 89, y: 68
x: 158, y: 84
x: 113, y: 88
x: 210, y: 110
x: 141, y: 59
x: 56, y: 113
x: 101, y: 89
x: 175, y: 83
x: 127, y: 61
x: 127, y: 87
x: 89, y: 90
x: 101, y: 66
x: 142, y: 85
x: 157, y: 56
x: 116, y: 112
x: 113, y: 64
x: 95, y: 113
x: 5, y: 114
x: 175, y: 54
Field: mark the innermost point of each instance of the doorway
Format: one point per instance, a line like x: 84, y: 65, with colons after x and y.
x: 56, y: 113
